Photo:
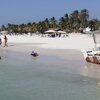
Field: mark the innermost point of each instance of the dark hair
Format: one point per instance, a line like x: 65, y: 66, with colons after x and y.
x: 5, y: 37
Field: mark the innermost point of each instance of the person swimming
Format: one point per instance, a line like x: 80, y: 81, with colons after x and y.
x: 34, y: 54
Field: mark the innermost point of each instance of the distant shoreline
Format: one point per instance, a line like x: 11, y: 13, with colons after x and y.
x: 73, y: 41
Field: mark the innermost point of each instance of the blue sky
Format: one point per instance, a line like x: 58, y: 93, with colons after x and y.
x: 23, y: 11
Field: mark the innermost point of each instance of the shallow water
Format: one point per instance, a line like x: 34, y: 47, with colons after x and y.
x: 23, y: 77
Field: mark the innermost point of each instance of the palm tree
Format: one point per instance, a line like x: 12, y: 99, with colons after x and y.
x: 94, y: 24
x: 84, y: 17
x: 62, y: 23
x: 75, y: 19
x: 66, y: 17
x: 3, y: 27
x: 47, y: 25
x: 71, y: 23
x: 53, y: 22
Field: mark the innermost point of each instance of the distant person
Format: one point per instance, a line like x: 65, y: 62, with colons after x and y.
x: 0, y: 41
x: 5, y: 41
x: 34, y: 54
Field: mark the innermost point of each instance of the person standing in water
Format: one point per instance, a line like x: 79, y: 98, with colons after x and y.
x: 5, y: 41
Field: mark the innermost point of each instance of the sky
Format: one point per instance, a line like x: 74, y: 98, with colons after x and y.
x: 24, y: 11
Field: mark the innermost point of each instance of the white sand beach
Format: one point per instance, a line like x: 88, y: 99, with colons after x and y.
x: 73, y: 41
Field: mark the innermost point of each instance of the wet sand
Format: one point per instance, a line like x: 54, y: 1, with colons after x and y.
x: 27, y: 48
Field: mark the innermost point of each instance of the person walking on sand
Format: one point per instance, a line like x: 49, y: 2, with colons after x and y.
x: 0, y: 41
x: 5, y: 41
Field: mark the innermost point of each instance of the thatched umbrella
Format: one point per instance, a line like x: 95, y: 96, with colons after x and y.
x: 62, y: 32
x: 50, y: 31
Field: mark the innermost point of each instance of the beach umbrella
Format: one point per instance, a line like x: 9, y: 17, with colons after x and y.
x: 62, y: 32
x: 50, y: 31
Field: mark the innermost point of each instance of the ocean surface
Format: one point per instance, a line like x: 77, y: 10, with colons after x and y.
x: 23, y: 77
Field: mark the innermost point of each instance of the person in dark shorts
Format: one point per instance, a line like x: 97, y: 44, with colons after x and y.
x: 0, y: 41
x: 5, y: 41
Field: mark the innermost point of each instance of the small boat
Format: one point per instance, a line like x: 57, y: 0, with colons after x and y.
x: 93, y: 56
x: 34, y: 54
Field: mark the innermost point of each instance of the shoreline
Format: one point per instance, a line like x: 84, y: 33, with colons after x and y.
x: 64, y: 54
x: 62, y: 47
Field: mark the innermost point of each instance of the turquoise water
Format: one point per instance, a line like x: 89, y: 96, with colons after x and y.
x: 23, y: 77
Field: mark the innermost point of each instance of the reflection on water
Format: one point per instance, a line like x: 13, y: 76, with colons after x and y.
x: 23, y: 77
x: 91, y: 70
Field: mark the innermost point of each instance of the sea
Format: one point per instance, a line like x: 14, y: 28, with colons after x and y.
x: 47, y: 77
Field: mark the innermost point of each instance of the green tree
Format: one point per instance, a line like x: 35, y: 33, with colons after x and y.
x: 53, y: 22
x: 84, y: 18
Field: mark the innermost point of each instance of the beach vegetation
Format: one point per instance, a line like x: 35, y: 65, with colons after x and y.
x: 76, y: 22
